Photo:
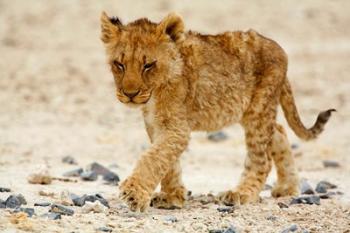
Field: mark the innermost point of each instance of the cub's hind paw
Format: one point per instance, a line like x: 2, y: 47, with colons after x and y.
x: 174, y: 200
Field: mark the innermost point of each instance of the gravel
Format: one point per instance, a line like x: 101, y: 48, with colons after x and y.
x: 323, y: 186
x: 89, y: 176
x: 80, y: 201
x: 310, y: 200
x: 217, y: 136
x: 226, y: 209
x: 29, y: 211
x: 42, y: 204
x: 69, y: 160
x: 291, y: 228
x: 4, y: 190
x: 60, y: 209
x: 74, y: 173
x: 331, y: 163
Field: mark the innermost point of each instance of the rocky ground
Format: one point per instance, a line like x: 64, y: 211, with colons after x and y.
x: 57, y: 99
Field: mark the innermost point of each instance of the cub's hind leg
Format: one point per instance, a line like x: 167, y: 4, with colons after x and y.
x: 287, y: 178
x: 173, y: 193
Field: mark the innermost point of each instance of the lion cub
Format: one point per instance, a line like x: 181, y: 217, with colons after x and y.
x: 185, y: 81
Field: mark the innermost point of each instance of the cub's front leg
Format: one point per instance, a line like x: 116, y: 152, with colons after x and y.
x: 171, y: 139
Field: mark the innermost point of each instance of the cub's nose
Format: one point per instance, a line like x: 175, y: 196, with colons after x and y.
x: 131, y: 94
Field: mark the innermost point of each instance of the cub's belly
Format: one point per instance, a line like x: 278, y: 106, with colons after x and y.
x: 214, y: 115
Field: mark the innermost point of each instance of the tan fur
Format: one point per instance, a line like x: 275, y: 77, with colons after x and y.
x: 185, y: 81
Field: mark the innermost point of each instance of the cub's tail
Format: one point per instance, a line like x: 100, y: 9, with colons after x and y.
x: 291, y: 114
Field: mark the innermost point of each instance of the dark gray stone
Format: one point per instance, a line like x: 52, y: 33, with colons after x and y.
x: 88, y: 176
x: 104, y: 229
x: 2, y: 204
x: 42, y: 204
x: 310, y: 200
x: 231, y: 229
x: 327, y: 195
x: 305, y: 187
x: 216, y: 231
x: 217, y: 136
x: 60, y: 209
x: 73, y: 173
x: 99, y: 169
x: 331, y: 163
x: 291, y: 228
x: 69, y: 160
x: 13, y: 202
x: 29, y: 211
x: 323, y: 186
x: 282, y: 205
x: 4, y: 190
x: 111, y: 178
x: 22, y: 199
x: 80, y: 201
x: 226, y: 209
x: 294, y: 146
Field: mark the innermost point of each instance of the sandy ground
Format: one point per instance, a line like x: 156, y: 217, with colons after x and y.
x: 57, y: 99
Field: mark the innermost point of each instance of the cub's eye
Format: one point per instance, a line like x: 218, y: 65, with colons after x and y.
x: 119, y: 65
x: 149, y: 66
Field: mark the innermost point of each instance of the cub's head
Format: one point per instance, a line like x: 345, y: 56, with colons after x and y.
x: 142, y: 55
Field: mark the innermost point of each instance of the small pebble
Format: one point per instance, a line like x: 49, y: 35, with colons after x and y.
x: 331, y: 163
x: 225, y: 209
x: 170, y: 218
x: 98, y: 169
x: 73, y: 173
x: 2, y: 204
x: 272, y: 218
x: 231, y: 229
x: 28, y: 211
x: 327, y: 195
x: 294, y: 146
x: 60, y: 209
x: 80, y: 201
x: 217, y: 136
x: 216, y: 231
x: 104, y: 229
x: 42, y: 204
x: 306, y: 200
x: 4, y: 190
x: 323, y: 186
x: 52, y: 216
x: 282, y: 205
x: 69, y: 160
x: 95, y: 207
x: 111, y: 178
x: 14, y: 201
x: 88, y: 176
x: 291, y: 228
x: 305, y: 187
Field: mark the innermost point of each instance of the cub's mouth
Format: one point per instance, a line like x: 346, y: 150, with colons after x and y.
x: 134, y: 98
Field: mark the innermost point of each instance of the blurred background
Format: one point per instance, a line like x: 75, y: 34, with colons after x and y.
x: 57, y: 94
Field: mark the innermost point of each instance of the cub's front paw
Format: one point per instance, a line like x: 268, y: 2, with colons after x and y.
x: 174, y: 200
x: 234, y: 198
x: 136, y: 197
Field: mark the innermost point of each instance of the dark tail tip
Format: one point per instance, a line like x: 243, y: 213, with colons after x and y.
x: 324, y: 116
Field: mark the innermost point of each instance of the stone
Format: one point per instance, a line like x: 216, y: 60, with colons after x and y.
x: 4, y: 190
x: 2, y: 204
x: 69, y: 160
x: 88, y: 176
x: 52, y: 216
x: 294, y: 146
x: 291, y: 228
x: 216, y: 231
x: 111, y: 178
x: 217, y: 136
x: 80, y: 201
x: 282, y: 205
x: 74, y: 173
x: 271, y: 218
x: 98, y: 169
x: 22, y: 199
x: 104, y: 229
x: 39, y: 178
x: 42, y: 204
x: 231, y: 229
x: 323, y: 186
x: 60, y: 209
x: 310, y: 200
x: 96, y: 207
x: 330, y: 163
x: 29, y: 211
x: 327, y: 195
x: 14, y: 201
x: 225, y: 209
x: 170, y: 218
x: 305, y: 187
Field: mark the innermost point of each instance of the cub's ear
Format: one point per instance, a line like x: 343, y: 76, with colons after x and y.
x: 110, y: 28
x: 172, y: 26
